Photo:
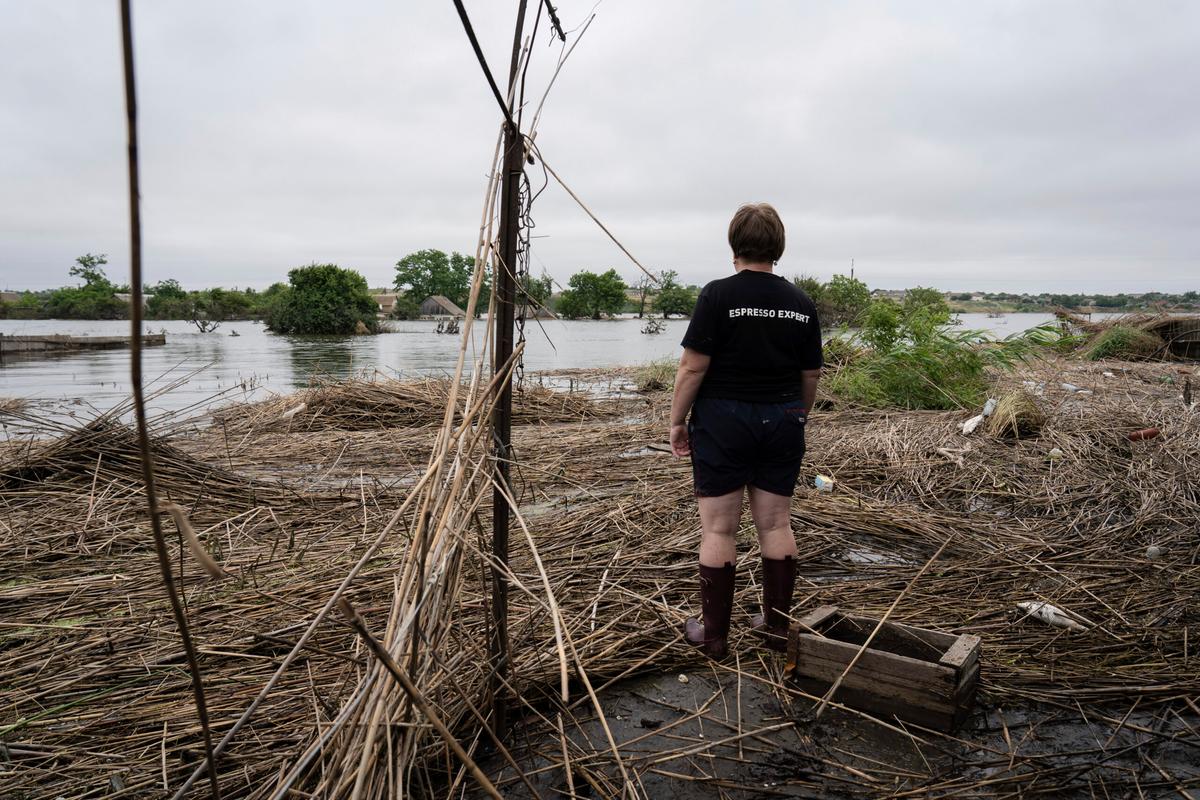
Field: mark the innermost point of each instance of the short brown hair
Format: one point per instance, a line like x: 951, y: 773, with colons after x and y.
x: 756, y: 233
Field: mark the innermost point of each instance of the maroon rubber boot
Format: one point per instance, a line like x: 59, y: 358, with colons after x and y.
x: 778, y: 582
x: 716, y: 602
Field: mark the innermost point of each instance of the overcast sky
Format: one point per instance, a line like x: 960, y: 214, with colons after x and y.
x: 1034, y: 146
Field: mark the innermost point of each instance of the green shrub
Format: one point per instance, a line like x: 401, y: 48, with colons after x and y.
x: 911, y: 360
x: 406, y: 308
x: 840, y: 350
x: 1122, y: 341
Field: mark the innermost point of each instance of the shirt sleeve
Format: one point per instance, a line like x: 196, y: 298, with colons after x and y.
x: 811, y: 355
x: 701, y: 333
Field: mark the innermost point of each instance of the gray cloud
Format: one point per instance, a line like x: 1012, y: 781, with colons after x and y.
x: 980, y: 145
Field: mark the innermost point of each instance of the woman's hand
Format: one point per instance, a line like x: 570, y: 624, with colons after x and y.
x: 680, y: 445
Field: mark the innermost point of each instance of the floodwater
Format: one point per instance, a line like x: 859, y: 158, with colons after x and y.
x: 221, y: 367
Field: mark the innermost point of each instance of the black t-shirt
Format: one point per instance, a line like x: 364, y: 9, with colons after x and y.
x: 761, y: 332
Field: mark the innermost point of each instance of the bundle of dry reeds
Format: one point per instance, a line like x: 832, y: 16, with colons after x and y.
x: 373, y: 404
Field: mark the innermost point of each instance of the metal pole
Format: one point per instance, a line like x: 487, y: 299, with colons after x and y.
x: 505, y: 288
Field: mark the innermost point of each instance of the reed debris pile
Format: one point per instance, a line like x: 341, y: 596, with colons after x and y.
x: 381, y: 403
x: 602, y: 572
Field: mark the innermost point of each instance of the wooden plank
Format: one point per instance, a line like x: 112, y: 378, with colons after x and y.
x: 827, y: 658
x: 813, y: 620
x: 968, y: 682
x: 816, y: 618
x: 886, y: 705
x: 963, y: 653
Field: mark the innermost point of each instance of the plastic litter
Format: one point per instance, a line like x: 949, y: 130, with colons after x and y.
x: 291, y: 412
x: 1049, y: 614
x: 683, y: 678
x: 970, y: 425
x: 989, y: 407
x: 824, y: 483
x: 1055, y: 454
x: 1143, y: 434
x: 1070, y: 387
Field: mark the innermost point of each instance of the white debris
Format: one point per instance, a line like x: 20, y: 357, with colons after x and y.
x: 824, y: 483
x: 1049, y: 614
x: 989, y: 407
x: 683, y: 678
x: 1055, y: 454
x: 1070, y: 387
x: 970, y: 425
x: 291, y: 412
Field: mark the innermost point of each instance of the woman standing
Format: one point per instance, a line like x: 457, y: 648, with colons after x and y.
x: 748, y: 375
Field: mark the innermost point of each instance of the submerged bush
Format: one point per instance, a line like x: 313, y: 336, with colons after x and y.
x: 911, y: 359
x: 1122, y: 341
x: 323, y: 299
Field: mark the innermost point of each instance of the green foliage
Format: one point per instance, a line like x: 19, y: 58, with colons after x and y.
x: 169, y: 300
x: 1122, y: 341
x: 1047, y: 301
x: 840, y: 350
x: 673, y: 298
x: 322, y: 299
x: 221, y: 304
x: 656, y: 376
x: 912, y: 361
x: 93, y: 300
x: 592, y: 294
x: 428, y: 272
x: 928, y: 302
x: 406, y: 308
x: 848, y: 299
x: 91, y: 269
x: 535, y: 291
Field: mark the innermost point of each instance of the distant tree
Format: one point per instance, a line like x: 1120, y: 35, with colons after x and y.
x: 535, y: 291
x: 818, y: 292
x: 93, y: 300
x: 848, y: 299
x: 406, y: 308
x: 591, y: 295
x: 323, y: 299
x: 221, y: 304
x: 168, y: 300
x: 673, y: 298
x: 929, y: 302
x: 645, y: 284
x: 428, y: 272
x: 91, y: 269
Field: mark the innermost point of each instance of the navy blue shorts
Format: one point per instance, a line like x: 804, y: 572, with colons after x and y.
x: 736, y: 443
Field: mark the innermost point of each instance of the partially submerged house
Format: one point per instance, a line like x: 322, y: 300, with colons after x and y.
x: 439, y: 305
x: 386, y: 303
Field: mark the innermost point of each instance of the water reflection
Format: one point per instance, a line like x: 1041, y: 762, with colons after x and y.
x: 320, y: 357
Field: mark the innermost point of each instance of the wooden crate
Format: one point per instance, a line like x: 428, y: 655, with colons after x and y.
x: 918, y: 675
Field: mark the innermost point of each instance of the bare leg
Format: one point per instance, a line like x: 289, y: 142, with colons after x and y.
x: 772, y: 519
x: 720, y: 518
